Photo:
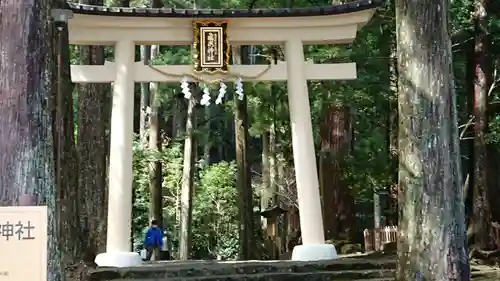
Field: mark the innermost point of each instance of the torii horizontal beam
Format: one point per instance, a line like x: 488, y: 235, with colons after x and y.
x: 143, y: 73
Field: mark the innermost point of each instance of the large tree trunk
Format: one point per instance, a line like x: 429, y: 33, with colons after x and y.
x: 468, y: 133
x: 432, y: 241
x: 155, y: 170
x: 155, y: 174
x: 207, y: 142
x: 155, y: 144
x: 269, y: 186
x: 26, y: 141
x: 244, y: 184
x: 273, y: 163
x: 269, y: 169
x: 481, y: 211
x: 178, y: 117
x: 93, y: 119
x: 66, y: 162
x: 335, y: 141
x: 145, y: 93
x: 187, y: 181
x: 266, y: 178
x: 338, y: 204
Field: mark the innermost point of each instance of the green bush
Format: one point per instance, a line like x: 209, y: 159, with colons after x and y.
x: 215, y: 214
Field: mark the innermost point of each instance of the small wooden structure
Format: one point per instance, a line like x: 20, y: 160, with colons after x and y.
x: 376, y: 237
x: 369, y: 240
x: 274, y: 240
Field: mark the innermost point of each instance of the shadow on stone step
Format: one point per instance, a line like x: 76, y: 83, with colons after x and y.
x: 340, y: 269
x: 286, y: 256
x: 374, y: 275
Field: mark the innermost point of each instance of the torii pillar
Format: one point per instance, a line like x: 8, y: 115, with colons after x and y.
x: 118, y: 248
x: 311, y: 220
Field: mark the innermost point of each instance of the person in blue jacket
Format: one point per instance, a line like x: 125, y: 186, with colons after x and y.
x: 153, y: 240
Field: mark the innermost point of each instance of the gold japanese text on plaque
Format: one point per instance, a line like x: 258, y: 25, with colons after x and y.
x: 211, y: 46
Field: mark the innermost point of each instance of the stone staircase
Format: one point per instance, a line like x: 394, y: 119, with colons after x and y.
x: 345, y: 269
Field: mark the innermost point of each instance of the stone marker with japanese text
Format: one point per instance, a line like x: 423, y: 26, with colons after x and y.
x: 23, y: 240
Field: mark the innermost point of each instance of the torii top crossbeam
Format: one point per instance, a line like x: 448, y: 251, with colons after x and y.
x: 336, y: 24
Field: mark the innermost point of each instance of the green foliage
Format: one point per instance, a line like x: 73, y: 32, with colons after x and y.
x: 171, y: 157
x: 215, y: 227
x: 215, y: 213
x: 494, y: 135
x: 461, y: 14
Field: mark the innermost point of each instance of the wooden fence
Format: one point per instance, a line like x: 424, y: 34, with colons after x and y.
x: 375, y: 238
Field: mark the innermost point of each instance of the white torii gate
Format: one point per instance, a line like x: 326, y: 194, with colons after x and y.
x: 127, y: 27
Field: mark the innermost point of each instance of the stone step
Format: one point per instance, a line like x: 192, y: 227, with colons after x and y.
x: 186, y: 269
x: 372, y: 275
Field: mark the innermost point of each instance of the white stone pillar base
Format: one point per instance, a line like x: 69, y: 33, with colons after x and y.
x: 314, y: 252
x: 118, y: 259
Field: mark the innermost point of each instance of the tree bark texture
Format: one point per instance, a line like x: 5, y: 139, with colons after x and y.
x: 155, y: 144
x: 269, y: 194
x: 26, y: 140
x: 273, y: 154
x: 94, y: 116
x: 481, y: 211
x: 145, y: 93
x: 338, y: 204
x: 155, y: 140
x: 244, y: 184
x: 273, y: 165
x: 266, y: 192
x: 207, y: 142
x: 179, y: 117
x: 66, y: 159
x: 93, y: 120
x: 266, y: 179
x: 432, y: 241
x: 468, y: 132
x: 187, y: 181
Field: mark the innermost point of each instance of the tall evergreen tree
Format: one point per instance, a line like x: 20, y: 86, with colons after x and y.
x: 26, y: 85
x: 432, y: 241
